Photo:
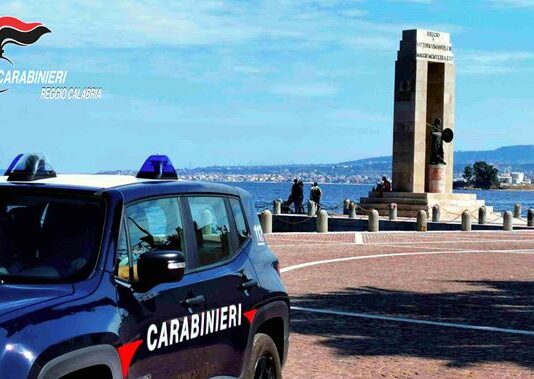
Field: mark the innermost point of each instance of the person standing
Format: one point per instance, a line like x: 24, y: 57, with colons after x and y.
x: 293, y: 198
x: 299, y: 207
x: 315, y: 195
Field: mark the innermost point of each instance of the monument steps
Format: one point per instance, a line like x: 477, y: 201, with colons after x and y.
x: 419, y: 203
x: 380, y: 206
x: 426, y: 195
x: 387, y: 201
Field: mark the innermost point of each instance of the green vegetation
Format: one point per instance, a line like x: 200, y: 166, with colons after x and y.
x: 481, y: 175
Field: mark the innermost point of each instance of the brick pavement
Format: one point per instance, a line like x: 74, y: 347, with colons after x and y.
x: 484, y: 279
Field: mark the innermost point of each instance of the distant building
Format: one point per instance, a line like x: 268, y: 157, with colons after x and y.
x: 513, y: 178
x: 505, y: 179
x: 518, y: 177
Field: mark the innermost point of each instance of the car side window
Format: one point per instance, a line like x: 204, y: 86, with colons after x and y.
x: 242, y: 230
x: 212, y: 229
x: 153, y: 225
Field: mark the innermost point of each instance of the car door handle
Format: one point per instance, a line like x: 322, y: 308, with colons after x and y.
x: 248, y: 284
x: 197, y: 300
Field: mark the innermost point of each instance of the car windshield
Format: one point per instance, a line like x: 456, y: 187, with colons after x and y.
x: 48, y: 238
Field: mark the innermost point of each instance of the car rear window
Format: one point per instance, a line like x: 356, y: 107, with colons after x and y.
x: 48, y: 238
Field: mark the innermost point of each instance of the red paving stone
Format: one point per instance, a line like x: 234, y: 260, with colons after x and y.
x: 477, y: 288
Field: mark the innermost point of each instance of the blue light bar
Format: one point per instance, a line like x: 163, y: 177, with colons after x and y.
x: 13, y: 164
x: 30, y: 167
x: 157, y: 167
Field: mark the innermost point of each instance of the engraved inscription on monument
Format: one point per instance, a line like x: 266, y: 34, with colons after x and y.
x: 434, y: 46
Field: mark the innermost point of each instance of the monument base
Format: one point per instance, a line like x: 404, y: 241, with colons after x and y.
x: 436, y: 178
x: 409, y: 204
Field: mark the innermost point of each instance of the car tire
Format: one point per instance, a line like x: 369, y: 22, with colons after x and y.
x: 264, y: 362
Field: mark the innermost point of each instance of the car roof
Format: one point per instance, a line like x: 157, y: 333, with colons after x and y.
x: 131, y: 188
x: 96, y: 182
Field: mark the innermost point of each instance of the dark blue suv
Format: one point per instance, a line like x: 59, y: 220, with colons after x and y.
x: 134, y: 277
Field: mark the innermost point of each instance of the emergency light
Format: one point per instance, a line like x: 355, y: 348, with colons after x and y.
x: 29, y: 167
x: 157, y: 167
x: 12, y: 165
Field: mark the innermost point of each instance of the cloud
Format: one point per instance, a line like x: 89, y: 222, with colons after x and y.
x: 273, y: 24
x: 493, y: 62
x: 356, y: 115
x: 143, y: 23
x: 250, y: 70
x: 414, y: 1
x: 305, y: 90
x: 374, y: 43
x: 513, y: 3
x: 356, y: 13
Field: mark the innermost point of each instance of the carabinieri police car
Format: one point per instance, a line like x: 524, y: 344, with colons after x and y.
x: 134, y: 277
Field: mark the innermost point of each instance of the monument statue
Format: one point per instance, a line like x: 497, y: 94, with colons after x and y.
x: 437, y: 154
x: 439, y: 136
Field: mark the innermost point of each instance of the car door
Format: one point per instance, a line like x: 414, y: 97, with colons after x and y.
x: 158, y: 332
x: 227, y: 279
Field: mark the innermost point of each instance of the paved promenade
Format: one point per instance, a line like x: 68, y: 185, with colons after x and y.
x: 395, y: 305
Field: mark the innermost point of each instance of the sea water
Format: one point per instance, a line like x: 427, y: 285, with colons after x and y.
x: 334, y: 194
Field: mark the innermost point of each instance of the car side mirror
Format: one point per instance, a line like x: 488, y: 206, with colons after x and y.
x: 160, y: 266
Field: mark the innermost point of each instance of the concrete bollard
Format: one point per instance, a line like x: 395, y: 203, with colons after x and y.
x: 352, y: 210
x: 322, y: 222
x: 482, y: 215
x: 422, y: 221
x: 312, y: 208
x: 436, y: 213
x: 393, y: 212
x: 374, y: 221
x: 517, y: 211
x: 466, y: 221
x: 266, y: 221
x: 346, y: 206
x: 277, y: 207
x: 530, y: 217
x: 507, y: 221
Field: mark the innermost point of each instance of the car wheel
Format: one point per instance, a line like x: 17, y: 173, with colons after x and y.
x: 264, y: 360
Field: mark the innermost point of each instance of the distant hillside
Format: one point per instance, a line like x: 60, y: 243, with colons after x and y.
x: 517, y: 158
x: 520, y: 157
x: 519, y: 154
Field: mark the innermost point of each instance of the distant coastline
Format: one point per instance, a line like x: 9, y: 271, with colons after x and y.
x: 519, y: 187
x: 518, y: 158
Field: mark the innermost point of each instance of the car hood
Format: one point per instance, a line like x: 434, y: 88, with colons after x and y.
x: 15, y: 297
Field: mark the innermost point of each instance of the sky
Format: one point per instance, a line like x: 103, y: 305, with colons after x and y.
x: 234, y: 82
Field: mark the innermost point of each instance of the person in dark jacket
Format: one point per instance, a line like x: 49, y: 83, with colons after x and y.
x: 297, y: 195
x: 315, y: 195
x: 385, y: 186
x: 300, y: 197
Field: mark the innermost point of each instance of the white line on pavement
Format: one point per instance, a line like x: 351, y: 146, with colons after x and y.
x: 399, y: 244
x: 326, y: 261
x: 449, y: 241
x: 414, y: 321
